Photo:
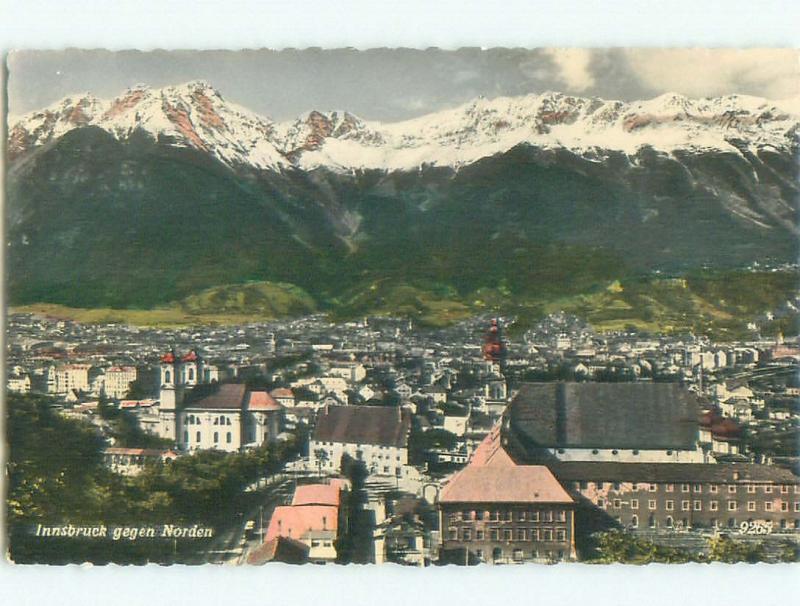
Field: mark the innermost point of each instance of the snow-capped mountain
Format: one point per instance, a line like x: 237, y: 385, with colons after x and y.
x: 195, y: 115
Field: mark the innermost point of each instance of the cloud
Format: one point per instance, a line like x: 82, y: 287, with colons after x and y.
x: 573, y: 65
x: 771, y: 73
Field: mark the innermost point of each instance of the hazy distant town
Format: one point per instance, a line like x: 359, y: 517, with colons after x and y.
x: 470, y: 444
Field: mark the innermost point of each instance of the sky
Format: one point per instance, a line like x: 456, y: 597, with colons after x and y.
x: 396, y: 84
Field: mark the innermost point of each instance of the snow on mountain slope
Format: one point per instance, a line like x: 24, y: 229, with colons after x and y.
x: 196, y: 115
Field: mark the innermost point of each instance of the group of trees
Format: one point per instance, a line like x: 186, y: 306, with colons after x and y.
x: 618, y: 546
x: 56, y: 476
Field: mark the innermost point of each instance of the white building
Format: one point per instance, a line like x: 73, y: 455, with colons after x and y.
x: 118, y: 381
x: 376, y: 435
x: 72, y: 377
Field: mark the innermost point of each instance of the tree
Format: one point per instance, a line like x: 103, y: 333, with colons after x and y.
x: 321, y: 455
x: 725, y: 549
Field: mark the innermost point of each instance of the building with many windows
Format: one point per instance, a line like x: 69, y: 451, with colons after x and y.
x: 506, y: 514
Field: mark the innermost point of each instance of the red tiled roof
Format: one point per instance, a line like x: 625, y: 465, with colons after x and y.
x: 316, y: 494
x: 490, y: 451
x: 296, y: 522
x: 147, y: 452
x: 279, y: 549
x: 518, y: 484
x: 190, y: 357
x: 379, y: 425
x: 168, y: 358
x: 261, y: 400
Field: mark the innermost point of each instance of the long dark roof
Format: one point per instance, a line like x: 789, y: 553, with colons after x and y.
x: 217, y: 396
x: 720, y: 473
x: 379, y: 425
x: 605, y: 415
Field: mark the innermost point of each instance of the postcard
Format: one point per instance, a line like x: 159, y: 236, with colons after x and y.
x: 475, y: 307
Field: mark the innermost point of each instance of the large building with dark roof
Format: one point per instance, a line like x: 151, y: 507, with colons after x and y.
x: 376, y: 435
x: 625, y: 422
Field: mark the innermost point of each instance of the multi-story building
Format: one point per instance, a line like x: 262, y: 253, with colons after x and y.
x: 678, y: 496
x: 72, y: 377
x: 376, y: 435
x: 118, y: 381
x: 506, y: 514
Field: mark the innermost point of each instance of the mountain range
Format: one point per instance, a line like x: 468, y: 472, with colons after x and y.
x: 161, y: 193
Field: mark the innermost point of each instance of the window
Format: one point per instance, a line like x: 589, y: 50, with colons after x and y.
x: 698, y: 488
x: 768, y: 489
x: 616, y: 485
x: 732, y: 506
x: 452, y: 534
x: 732, y: 488
x: 635, y: 521
x: 495, y: 515
x: 466, y: 515
x: 479, y: 515
x: 713, y: 488
x: 784, y: 506
x: 547, y: 535
x: 634, y: 503
x: 561, y: 535
x: 198, y: 437
x: 494, y: 534
x: 520, y: 516
x: 600, y: 502
x: 651, y: 522
x: 507, y: 534
x: 797, y: 506
x: 751, y: 506
x: 713, y: 505
x: 653, y: 487
x: 517, y: 555
x: 784, y: 489
x: 767, y: 505
x: 561, y: 515
x: 520, y: 534
x: 509, y: 516
x: 669, y: 505
x: 533, y: 533
x: 216, y: 437
x: 651, y: 504
x: 751, y: 489
x: 670, y: 522
x: 617, y: 503
x: 684, y: 505
x: 670, y: 488
x: 598, y: 485
x: 467, y: 534
x: 228, y: 437
x: 167, y: 377
x: 548, y: 516
x: 697, y: 506
x: 534, y: 516
x: 684, y: 488
x: 479, y: 535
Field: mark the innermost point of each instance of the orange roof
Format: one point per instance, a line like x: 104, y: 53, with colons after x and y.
x: 261, y: 400
x: 297, y: 522
x: 518, y: 484
x: 491, y: 452
x: 316, y: 494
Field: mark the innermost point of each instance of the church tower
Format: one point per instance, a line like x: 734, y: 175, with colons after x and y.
x: 170, y: 396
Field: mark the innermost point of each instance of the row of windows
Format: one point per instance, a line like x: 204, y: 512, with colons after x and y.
x: 198, y: 436
x: 196, y: 420
x: 712, y: 488
x: 697, y: 505
x: 669, y: 522
x: 509, y: 515
x: 519, y: 534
